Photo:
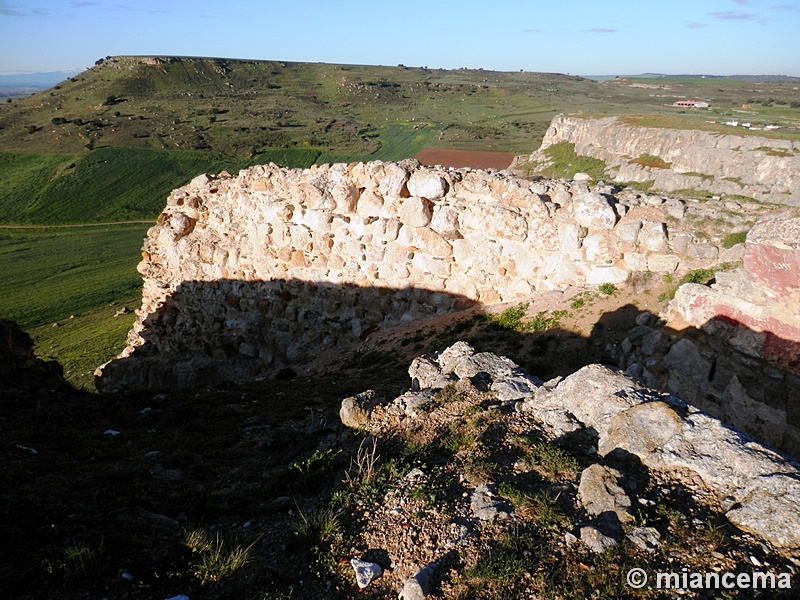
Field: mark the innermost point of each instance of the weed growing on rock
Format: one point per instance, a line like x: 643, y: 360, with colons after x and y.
x: 701, y: 276
x: 363, y: 469
x: 310, y: 471
x: 609, y: 289
x: 214, y: 558
x: 75, y: 557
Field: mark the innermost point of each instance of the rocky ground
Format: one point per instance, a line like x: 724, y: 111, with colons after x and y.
x: 261, y: 491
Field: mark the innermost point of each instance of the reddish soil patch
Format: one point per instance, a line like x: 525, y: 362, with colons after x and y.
x: 465, y: 158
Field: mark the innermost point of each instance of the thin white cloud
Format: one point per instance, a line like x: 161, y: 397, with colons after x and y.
x: 8, y: 11
x: 735, y: 15
x: 696, y: 25
x: 532, y: 30
x: 601, y: 30
x: 732, y: 15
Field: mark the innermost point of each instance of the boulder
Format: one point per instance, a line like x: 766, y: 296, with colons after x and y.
x: 426, y: 185
x: 486, y: 507
x: 592, y: 210
x: 356, y: 410
x: 416, y: 211
x: 653, y: 237
x: 599, y: 492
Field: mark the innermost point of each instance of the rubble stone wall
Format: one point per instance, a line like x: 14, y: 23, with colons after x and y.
x: 245, y: 275
x: 739, y: 357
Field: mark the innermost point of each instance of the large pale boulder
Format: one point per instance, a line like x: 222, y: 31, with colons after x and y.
x: 427, y: 185
x: 592, y: 210
x: 416, y: 211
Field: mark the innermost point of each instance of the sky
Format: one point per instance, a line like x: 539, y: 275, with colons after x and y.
x: 579, y: 37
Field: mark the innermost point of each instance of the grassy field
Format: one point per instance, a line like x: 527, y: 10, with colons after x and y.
x: 110, y: 184
x: 77, y: 277
x: 50, y: 274
x: 395, y: 142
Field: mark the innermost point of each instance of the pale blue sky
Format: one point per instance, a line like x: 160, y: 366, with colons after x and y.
x: 615, y: 37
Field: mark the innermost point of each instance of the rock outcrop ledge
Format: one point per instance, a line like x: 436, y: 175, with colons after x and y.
x: 756, y: 488
x: 762, y: 168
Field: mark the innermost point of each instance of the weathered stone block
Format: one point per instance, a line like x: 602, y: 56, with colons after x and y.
x: 662, y: 263
x: 416, y: 211
x: 427, y: 185
x: 653, y: 237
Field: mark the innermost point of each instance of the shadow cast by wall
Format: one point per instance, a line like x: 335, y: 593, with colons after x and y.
x: 207, y: 333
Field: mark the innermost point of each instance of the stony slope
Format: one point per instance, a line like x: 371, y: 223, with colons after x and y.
x: 471, y: 479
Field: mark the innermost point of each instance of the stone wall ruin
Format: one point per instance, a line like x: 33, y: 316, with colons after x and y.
x: 245, y: 275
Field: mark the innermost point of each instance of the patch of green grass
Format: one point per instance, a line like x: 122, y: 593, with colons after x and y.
x: 732, y: 239
x: 694, y: 194
x: 741, y: 199
x: 320, y: 535
x: 540, y: 509
x: 582, y: 299
x: 49, y: 274
x: 85, y: 342
x: 318, y: 526
x: 312, y: 471
x: 111, y: 184
x: 651, y: 161
x: 510, y: 318
x: 506, y: 562
x: 544, y: 320
x: 565, y: 163
x: 701, y: 276
x: 459, y: 438
x: 23, y: 177
x: 396, y: 141
x: 769, y: 151
x: 608, y: 289
x: 551, y: 462
x: 642, y: 186
x: 74, y: 558
x: 447, y: 394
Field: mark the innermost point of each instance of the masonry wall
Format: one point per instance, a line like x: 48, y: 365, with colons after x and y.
x: 245, y: 275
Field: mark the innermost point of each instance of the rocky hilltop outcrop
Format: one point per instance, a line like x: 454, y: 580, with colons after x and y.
x: 762, y: 168
x: 740, y: 358
x: 632, y: 442
x: 247, y: 275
